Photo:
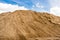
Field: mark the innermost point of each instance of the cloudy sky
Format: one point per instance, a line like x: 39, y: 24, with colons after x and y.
x: 52, y: 6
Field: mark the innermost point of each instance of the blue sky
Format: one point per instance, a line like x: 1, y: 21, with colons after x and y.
x: 52, y: 6
x: 29, y: 3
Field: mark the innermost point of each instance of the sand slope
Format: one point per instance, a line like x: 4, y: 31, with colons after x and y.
x: 29, y: 25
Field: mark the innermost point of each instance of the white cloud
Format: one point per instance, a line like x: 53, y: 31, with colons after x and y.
x: 10, y: 8
x: 38, y: 5
x: 54, y: 3
x: 55, y: 11
x: 38, y: 9
x: 55, y: 7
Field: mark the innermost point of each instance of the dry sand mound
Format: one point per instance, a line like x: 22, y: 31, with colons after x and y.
x: 29, y: 25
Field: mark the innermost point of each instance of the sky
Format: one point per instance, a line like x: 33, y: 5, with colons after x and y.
x: 51, y: 6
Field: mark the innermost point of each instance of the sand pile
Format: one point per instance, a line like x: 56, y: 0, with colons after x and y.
x: 28, y: 25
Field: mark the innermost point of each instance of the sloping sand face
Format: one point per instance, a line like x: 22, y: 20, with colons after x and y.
x: 29, y: 25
